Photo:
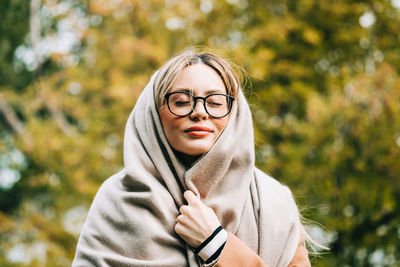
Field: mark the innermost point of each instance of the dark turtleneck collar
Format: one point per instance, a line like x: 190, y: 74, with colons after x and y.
x: 185, y: 159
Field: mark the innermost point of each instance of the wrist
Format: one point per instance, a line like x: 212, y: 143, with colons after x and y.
x: 212, y: 245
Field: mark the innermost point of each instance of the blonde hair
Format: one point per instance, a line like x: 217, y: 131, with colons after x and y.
x: 170, y: 71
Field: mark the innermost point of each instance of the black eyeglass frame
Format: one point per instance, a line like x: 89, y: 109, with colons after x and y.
x: 204, y: 98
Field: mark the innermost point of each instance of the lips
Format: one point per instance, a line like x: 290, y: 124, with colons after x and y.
x: 198, y: 131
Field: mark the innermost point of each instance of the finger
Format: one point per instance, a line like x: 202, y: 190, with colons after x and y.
x: 190, y: 197
x: 178, y: 229
x: 184, y: 209
x: 179, y: 219
x: 182, y: 231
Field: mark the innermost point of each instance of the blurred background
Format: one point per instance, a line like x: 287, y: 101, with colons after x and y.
x: 323, y: 85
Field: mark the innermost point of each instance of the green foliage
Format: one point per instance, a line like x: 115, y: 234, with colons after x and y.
x: 14, y: 15
x: 324, y: 94
x: 343, y: 159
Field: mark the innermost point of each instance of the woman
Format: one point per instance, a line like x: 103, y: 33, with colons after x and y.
x: 189, y: 193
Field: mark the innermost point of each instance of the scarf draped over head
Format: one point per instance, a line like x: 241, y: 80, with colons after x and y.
x: 132, y: 218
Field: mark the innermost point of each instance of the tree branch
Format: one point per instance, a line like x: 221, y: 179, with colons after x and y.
x: 14, y: 122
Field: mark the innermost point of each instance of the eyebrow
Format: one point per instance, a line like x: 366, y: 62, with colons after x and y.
x: 211, y: 91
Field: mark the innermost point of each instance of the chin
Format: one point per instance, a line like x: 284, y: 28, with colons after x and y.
x: 193, y: 147
x: 196, y: 151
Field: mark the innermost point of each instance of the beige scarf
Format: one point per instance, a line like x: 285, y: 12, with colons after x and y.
x: 132, y: 218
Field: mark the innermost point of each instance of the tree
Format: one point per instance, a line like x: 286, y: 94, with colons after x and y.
x: 323, y: 88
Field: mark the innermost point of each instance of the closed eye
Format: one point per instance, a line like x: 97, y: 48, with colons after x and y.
x: 181, y: 103
x: 213, y: 103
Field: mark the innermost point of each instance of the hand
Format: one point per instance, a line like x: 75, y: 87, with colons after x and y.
x: 196, y: 221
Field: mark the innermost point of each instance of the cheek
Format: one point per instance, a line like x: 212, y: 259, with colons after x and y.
x: 220, y: 124
x: 168, y: 121
x: 165, y: 120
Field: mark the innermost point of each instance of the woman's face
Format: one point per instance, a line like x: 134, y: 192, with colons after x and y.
x: 195, y: 133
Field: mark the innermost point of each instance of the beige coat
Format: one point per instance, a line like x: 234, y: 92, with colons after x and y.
x: 132, y: 218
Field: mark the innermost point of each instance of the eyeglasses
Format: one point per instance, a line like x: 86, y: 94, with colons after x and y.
x: 183, y: 103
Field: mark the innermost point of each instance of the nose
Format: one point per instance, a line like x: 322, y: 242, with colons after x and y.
x: 199, y: 111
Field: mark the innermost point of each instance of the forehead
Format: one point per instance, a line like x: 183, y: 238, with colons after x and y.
x: 199, y: 79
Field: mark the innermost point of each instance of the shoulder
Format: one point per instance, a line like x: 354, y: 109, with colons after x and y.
x: 106, y: 197
x: 272, y: 191
x: 266, y: 179
x: 273, y: 186
x: 109, y: 187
